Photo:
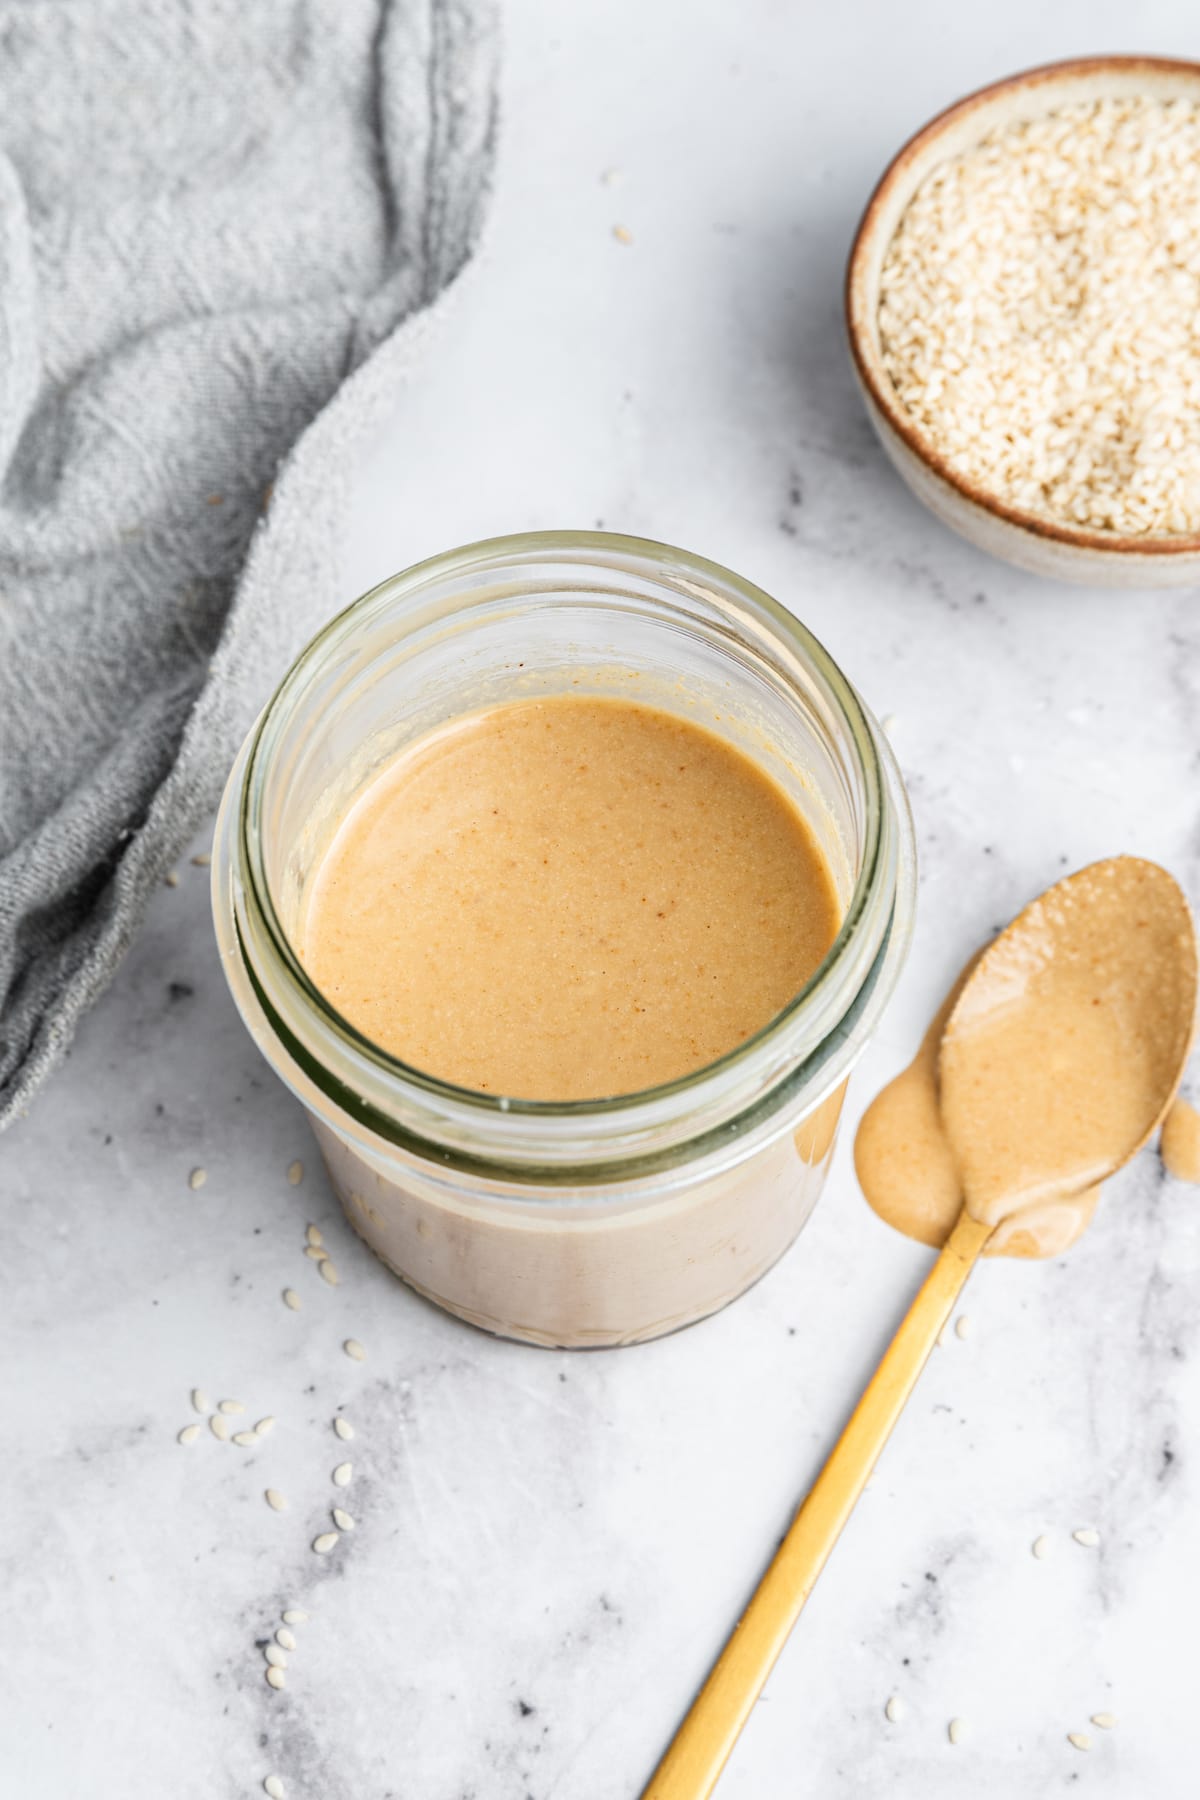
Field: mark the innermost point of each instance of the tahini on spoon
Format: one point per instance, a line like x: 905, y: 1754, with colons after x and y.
x: 1095, y: 986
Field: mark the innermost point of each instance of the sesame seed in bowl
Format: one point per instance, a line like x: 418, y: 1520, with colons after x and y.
x: 1023, y: 305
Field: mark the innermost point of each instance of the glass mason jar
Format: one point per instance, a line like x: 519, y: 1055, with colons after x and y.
x: 587, y: 1222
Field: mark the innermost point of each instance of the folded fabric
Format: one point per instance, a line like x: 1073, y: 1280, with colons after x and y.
x: 216, y: 218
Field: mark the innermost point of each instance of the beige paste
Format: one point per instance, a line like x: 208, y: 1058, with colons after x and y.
x: 1050, y: 1063
x: 1181, y: 1141
x: 568, y: 898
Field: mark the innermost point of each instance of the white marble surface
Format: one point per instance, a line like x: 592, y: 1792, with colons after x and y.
x: 551, y: 1547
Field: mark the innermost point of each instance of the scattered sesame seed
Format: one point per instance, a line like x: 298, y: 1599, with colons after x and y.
x: 1080, y: 1739
x: 202, y: 861
x: 943, y: 1335
x: 1041, y: 1547
x: 344, y: 1428
x: 962, y: 1325
x: 246, y: 1439
x: 285, y: 1639
x: 296, y: 1173
x: 312, y: 1235
x: 197, y: 1178
x: 219, y: 1426
x: 189, y: 1434
x: 894, y: 1710
x: 325, y: 1543
x: 171, y: 878
x: 611, y: 177
x: 958, y: 1731
x: 316, y: 1252
x: 291, y: 1298
x: 231, y: 1406
x: 622, y: 234
x: 1106, y: 1721
x: 343, y: 1475
x: 263, y: 1426
x: 327, y: 1272
x: 275, y: 1657
x: 274, y: 1787
x: 200, y: 1401
x: 342, y: 1520
x: 275, y: 1500
x: 1088, y: 1536
x: 276, y: 1677
x: 294, y: 1616
x: 354, y: 1350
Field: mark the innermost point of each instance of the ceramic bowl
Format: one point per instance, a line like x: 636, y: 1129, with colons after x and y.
x: 1099, y: 558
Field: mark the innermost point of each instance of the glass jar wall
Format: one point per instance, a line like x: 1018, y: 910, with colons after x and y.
x: 582, y: 1223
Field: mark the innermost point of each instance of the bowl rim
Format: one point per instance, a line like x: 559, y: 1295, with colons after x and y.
x: 880, y: 391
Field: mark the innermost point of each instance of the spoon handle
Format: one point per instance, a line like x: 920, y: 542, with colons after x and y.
x: 700, y: 1748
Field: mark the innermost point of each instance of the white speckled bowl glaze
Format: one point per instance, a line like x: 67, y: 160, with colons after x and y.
x: 1100, y: 559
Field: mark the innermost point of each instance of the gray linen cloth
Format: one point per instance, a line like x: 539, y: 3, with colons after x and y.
x: 214, y: 216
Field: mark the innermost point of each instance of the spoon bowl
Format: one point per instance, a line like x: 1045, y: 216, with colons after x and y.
x: 1068, y: 1041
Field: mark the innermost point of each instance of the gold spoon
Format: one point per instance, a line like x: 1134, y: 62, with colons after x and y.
x: 1060, y: 1058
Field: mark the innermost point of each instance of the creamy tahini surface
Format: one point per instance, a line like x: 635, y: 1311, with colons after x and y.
x: 1052, y: 1060
x: 568, y: 898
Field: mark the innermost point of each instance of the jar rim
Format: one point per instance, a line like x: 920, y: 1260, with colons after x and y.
x: 612, y: 554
